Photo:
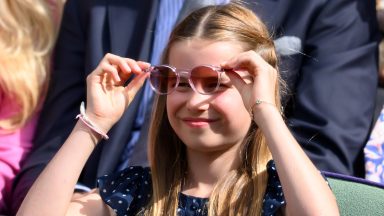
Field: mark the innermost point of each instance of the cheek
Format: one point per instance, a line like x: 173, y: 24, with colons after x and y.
x: 174, y: 103
x: 231, y: 106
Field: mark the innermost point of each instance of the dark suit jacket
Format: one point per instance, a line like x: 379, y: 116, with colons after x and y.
x: 333, y: 82
x: 330, y: 104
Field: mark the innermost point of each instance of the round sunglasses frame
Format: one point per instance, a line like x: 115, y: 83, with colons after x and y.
x: 179, y: 72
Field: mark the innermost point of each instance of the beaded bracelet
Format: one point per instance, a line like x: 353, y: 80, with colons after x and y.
x: 84, y: 118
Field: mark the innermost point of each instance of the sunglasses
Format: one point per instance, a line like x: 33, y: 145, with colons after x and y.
x: 204, y: 79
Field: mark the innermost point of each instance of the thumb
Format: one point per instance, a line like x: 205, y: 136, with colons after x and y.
x: 133, y: 87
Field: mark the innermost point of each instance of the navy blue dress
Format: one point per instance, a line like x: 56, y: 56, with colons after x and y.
x: 128, y: 192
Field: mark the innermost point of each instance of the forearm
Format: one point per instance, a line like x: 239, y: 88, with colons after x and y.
x: 58, y: 179
x: 305, y: 190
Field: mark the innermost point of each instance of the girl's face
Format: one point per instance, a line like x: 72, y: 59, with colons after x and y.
x: 207, y: 123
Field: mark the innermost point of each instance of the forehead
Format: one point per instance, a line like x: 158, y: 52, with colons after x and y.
x: 191, y: 53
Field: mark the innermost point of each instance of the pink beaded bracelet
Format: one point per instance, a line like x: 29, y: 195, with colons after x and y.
x: 83, y: 117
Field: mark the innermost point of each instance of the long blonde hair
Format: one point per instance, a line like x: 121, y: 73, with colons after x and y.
x: 241, y: 191
x: 27, y: 36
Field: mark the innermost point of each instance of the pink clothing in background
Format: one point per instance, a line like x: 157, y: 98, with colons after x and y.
x: 13, y: 149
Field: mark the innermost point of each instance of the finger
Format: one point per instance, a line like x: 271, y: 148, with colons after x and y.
x: 118, y: 63
x: 111, y: 70
x: 124, y: 65
x: 234, y: 62
x: 250, y: 61
x: 229, y: 64
x: 143, y: 65
x: 137, y: 82
x: 136, y: 68
x: 236, y: 79
x: 133, y: 87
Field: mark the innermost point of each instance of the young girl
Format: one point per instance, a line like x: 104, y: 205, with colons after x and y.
x: 216, y: 126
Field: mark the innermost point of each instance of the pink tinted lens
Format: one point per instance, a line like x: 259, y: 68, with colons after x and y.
x: 205, y: 79
x: 163, y: 79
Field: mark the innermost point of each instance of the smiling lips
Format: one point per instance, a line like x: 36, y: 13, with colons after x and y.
x: 198, y: 122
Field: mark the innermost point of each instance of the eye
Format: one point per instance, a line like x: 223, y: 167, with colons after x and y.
x: 172, y: 82
x: 183, y: 85
x: 210, y: 84
x: 224, y: 86
x: 225, y: 82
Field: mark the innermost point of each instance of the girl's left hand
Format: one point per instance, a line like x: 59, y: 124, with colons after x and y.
x: 264, y: 85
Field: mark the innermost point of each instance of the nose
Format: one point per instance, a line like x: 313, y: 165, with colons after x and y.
x: 197, y: 101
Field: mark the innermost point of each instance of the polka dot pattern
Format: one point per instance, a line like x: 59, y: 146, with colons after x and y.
x: 274, y: 196
x: 190, y: 205
x: 129, y: 191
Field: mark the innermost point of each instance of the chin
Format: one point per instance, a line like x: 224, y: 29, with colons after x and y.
x: 204, y: 147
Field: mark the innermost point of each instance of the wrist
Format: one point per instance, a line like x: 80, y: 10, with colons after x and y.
x: 95, y: 137
x: 265, y: 116
x: 92, y: 124
x: 261, y: 105
x: 102, y: 123
x: 261, y: 111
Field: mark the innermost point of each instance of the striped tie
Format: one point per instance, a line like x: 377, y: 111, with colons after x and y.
x: 374, y: 152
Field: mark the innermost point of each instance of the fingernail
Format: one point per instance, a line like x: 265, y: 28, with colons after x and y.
x: 137, y: 68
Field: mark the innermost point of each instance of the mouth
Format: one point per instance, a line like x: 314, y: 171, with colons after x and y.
x: 198, y: 122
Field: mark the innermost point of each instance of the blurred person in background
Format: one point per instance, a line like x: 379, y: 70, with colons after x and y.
x: 27, y: 35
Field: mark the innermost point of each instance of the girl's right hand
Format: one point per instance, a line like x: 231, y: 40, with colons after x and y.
x: 263, y: 87
x: 107, y: 97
